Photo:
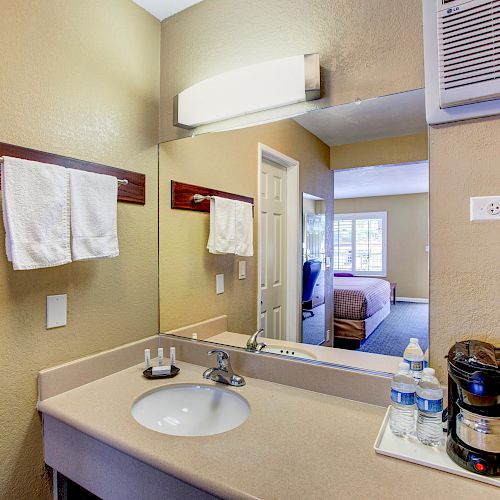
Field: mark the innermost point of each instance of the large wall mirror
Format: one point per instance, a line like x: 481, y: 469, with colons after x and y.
x: 339, y: 271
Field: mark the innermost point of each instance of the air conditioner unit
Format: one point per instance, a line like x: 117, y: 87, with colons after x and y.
x: 462, y: 59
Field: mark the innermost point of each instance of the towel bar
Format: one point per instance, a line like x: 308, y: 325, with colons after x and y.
x: 198, y: 198
x: 195, y: 198
x: 121, y: 182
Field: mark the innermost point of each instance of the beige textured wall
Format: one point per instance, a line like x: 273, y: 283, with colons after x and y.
x: 225, y: 161
x: 367, y: 48
x: 380, y: 152
x: 465, y: 270
x: 78, y: 79
x: 407, y: 237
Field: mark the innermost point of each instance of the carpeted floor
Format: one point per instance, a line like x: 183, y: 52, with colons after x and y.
x: 406, y: 320
x: 313, y: 328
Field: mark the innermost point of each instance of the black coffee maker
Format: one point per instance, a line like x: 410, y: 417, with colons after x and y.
x: 474, y: 407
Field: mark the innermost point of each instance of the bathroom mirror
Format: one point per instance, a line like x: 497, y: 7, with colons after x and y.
x: 309, y: 179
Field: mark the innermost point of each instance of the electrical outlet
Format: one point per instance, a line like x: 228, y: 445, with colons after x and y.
x: 493, y: 208
x: 485, y: 208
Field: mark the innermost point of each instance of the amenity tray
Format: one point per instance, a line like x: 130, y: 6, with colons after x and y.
x: 411, y: 450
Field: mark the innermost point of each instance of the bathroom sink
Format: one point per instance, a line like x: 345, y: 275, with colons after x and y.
x: 286, y: 350
x: 191, y: 410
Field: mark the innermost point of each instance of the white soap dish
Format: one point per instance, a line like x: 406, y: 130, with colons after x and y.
x: 412, y: 450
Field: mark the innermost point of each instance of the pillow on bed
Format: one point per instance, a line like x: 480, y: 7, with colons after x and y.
x: 343, y: 275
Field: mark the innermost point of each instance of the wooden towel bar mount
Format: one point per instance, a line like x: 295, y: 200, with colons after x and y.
x: 183, y: 197
x: 133, y: 191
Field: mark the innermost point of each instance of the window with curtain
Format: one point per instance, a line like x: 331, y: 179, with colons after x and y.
x: 360, y: 241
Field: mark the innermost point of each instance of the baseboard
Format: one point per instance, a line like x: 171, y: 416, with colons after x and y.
x: 412, y: 299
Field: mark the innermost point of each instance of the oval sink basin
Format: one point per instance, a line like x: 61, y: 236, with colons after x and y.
x: 288, y: 351
x: 191, y: 410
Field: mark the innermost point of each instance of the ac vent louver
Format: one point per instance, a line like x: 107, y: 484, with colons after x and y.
x: 469, y: 52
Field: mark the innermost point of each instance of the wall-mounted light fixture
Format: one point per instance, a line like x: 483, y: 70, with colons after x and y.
x: 248, y: 90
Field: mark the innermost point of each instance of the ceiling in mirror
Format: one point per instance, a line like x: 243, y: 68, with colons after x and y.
x: 387, y: 116
x: 382, y: 180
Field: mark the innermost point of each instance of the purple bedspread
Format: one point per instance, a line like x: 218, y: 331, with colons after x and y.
x: 359, y: 298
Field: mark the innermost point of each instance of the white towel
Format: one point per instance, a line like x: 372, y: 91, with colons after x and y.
x: 244, y: 229
x: 93, y: 215
x: 222, y: 238
x: 35, y: 202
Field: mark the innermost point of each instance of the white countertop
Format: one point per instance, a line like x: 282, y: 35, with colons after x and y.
x: 295, y: 443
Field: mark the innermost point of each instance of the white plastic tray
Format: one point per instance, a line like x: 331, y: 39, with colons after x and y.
x: 411, y: 450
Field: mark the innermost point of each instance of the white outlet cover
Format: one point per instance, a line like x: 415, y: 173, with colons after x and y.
x: 57, y: 310
x: 485, y: 208
x: 219, y: 284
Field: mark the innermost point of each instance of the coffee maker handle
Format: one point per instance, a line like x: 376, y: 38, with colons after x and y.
x: 444, y: 419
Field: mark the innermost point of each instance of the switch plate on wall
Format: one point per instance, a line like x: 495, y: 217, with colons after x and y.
x: 219, y: 284
x: 57, y: 310
x: 485, y: 208
x: 242, y: 269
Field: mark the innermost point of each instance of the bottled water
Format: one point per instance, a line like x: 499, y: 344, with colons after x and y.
x: 402, y: 413
x: 414, y: 356
x: 430, y: 409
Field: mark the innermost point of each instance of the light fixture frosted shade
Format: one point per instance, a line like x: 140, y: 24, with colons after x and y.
x: 248, y: 90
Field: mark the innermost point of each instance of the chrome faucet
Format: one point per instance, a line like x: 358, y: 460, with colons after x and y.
x: 252, y: 344
x: 224, y: 372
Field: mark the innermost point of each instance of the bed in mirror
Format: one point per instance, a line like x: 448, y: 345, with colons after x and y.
x: 338, y: 271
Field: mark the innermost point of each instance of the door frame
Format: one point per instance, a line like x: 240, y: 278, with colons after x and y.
x: 293, y: 306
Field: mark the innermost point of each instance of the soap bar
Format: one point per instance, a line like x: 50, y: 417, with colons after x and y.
x: 161, y: 370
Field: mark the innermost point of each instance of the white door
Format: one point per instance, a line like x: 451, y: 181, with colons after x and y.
x: 272, y: 248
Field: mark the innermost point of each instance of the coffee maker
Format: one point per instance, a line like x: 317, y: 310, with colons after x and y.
x: 474, y: 407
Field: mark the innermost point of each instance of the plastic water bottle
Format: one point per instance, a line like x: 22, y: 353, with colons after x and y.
x: 402, y: 413
x: 414, y: 356
x: 430, y: 409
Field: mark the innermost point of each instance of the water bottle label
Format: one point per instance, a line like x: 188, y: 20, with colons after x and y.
x: 403, y: 398
x: 415, y: 366
x: 429, y: 405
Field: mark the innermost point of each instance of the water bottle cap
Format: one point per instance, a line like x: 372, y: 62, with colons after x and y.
x: 428, y: 371
x: 413, y: 340
x: 404, y: 366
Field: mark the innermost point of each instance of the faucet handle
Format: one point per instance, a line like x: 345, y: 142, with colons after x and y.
x: 222, y: 358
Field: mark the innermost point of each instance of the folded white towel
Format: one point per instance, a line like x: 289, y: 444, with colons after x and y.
x: 244, y: 229
x: 35, y: 202
x: 93, y: 215
x: 222, y: 238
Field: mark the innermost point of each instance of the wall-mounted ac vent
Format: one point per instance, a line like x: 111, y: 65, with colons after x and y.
x: 462, y: 59
x: 469, y: 52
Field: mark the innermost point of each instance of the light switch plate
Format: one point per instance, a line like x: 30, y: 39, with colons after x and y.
x: 57, y: 307
x: 219, y: 284
x: 242, y: 269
